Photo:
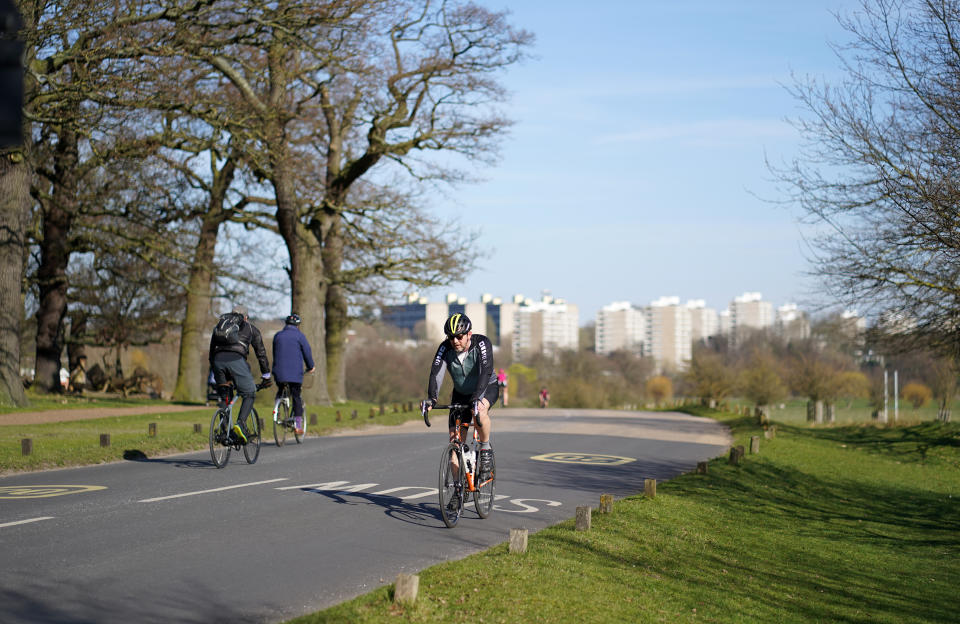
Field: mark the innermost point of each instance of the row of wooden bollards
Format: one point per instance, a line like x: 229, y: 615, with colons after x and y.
x: 26, y: 444
x: 737, y: 452
x: 407, y: 585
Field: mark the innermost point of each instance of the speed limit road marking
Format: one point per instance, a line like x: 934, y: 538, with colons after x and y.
x: 45, y: 491
x: 590, y: 459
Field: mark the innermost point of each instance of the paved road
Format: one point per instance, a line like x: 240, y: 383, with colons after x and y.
x: 176, y: 540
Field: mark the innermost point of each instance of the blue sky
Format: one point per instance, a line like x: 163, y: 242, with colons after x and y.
x: 635, y: 168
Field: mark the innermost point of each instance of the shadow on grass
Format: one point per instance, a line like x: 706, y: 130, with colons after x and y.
x: 913, y: 443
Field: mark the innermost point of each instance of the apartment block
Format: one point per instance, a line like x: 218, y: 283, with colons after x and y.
x: 792, y: 323
x: 547, y: 326
x: 668, y: 333
x: 704, y: 321
x: 621, y: 326
x: 750, y: 311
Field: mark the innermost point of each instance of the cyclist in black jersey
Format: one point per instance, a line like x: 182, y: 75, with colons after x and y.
x: 468, y: 357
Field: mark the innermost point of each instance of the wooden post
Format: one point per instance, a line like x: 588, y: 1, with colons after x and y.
x: 104, y: 439
x: 339, y: 418
x: 353, y: 415
x: 381, y: 409
x: 754, y: 445
x: 650, y: 488
x: 606, y: 503
x: 152, y: 430
x: 770, y: 432
x: 518, y: 541
x: 583, y: 518
x: 702, y: 467
x: 26, y: 446
x: 372, y: 412
x: 197, y: 428
x: 736, y: 454
x: 260, y: 422
x: 313, y: 419
x: 406, y: 587
x: 396, y: 408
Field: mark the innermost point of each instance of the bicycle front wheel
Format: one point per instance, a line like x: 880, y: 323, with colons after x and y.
x: 219, y: 451
x: 451, y: 485
x: 251, y: 450
x: 483, y: 497
x: 280, y: 421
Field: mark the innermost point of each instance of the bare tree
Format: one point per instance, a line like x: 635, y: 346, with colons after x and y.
x: 878, y: 177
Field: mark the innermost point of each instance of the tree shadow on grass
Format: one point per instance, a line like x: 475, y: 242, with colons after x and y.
x: 909, y: 444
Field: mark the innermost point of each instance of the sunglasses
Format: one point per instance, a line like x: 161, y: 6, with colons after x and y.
x: 457, y: 336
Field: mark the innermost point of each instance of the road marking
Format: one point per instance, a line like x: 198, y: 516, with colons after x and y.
x: 228, y: 487
x: 591, y: 459
x: 10, y: 524
x: 522, y: 502
x: 45, y: 491
x: 425, y: 492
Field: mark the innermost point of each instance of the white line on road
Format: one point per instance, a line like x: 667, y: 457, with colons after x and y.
x: 229, y: 487
x: 9, y: 524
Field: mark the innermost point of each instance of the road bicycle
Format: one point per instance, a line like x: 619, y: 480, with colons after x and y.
x: 455, y: 484
x: 283, y: 421
x: 222, y: 439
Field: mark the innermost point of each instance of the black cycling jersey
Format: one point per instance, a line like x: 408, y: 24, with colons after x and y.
x: 472, y: 373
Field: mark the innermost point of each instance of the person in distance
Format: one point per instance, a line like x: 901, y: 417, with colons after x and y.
x: 291, y: 351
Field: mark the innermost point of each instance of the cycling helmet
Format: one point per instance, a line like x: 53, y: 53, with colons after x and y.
x: 293, y: 319
x: 457, y: 324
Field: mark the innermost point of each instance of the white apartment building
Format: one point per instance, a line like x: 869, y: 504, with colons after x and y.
x: 668, y: 333
x: 749, y: 310
x: 792, y: 323
x: 704, y: 321
x: 546, y: 326
x: 621, y: 327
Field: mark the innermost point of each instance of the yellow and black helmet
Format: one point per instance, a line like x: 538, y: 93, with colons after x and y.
x: 457, y: 324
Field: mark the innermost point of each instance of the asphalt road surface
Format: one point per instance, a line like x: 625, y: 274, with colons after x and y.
x: 174, y: 539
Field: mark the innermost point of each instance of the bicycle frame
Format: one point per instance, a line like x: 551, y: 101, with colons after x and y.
x: 459, y: 439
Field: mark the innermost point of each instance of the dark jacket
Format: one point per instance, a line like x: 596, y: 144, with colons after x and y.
x: 472, y: 376
x: 248, y: 336
x: 290, y: 351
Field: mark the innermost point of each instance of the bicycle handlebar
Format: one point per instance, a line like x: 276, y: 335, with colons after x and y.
x: 426, y: 412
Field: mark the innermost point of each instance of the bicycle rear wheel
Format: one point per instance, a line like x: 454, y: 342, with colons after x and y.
x: 251, y: 450
x: 486, y: 487
x: 280, y: 422
x: 219, y: 451
x: 451, y: 485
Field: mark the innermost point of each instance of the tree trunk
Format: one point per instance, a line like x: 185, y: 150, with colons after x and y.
x: 307, y: 279
x: 194, y: 331
x: 14, y: 208
x: 337, y: 319
x: 58, y: 215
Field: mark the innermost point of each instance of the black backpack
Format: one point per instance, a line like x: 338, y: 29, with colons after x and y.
x: 227, y: 331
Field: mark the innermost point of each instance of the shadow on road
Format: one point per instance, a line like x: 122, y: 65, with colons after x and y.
x: 421, y: 514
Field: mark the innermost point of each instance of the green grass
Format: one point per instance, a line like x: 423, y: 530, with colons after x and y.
x: 794, y: 411
x: 826, y: 524
x: 77, y: 443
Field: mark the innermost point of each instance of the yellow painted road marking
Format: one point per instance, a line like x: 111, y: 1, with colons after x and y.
x: 45, y: 491
x: 590, y: 459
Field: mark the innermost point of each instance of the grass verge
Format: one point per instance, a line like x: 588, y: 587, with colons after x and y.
x: 828, y: 524
x: 77, y: 442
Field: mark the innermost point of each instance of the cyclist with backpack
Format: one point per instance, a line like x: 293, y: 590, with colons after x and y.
x: 468, y: 357
x: 229, y: 345
x: 291, y: 350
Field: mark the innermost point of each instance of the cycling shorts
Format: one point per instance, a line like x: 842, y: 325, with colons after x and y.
x: 491, y: 395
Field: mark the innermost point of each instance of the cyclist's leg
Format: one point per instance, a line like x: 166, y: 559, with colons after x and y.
x: 296, y: 398
x: 483, y: 413
x: 240, y: 371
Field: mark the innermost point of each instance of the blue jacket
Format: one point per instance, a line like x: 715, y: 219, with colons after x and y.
x: 290, y: 352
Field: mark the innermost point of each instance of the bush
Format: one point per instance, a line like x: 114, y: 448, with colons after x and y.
x: 917, y: 393
x: 659, y: 388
